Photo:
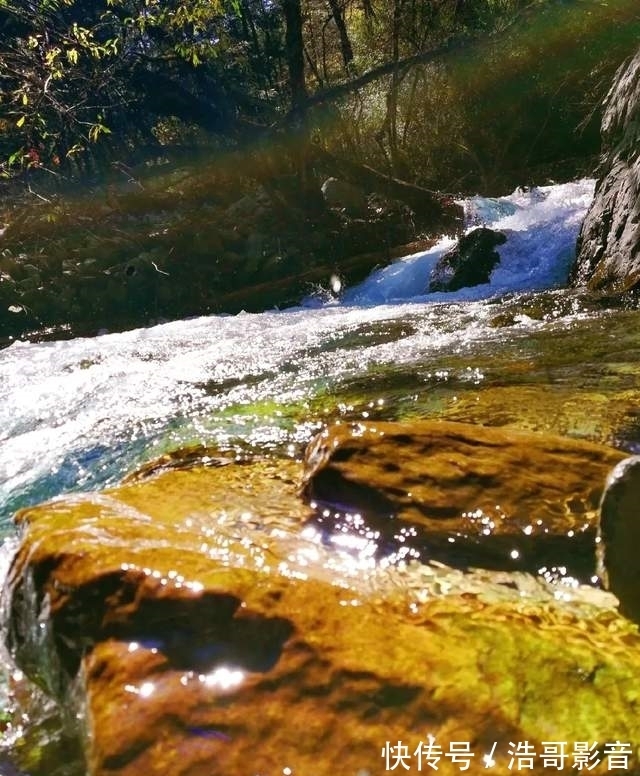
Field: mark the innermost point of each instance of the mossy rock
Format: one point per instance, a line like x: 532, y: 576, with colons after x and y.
x: 206, y: 628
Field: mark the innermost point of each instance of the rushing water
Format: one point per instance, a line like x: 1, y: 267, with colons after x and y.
x: 520, y: 350
x: 77, y: 415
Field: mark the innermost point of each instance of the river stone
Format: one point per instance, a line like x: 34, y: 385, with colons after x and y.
x: 341, y: 194
x: 465, y: 494
x: 608, y: 248
x: 198, y: 633
x: 567, y: 410
x: 620, y: 535
x: 469, y: 263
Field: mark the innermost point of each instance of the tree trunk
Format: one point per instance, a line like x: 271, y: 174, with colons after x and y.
x: 345, y: 43
x: 392, y: 96
x: 367, y: 8
x: 294, y: 46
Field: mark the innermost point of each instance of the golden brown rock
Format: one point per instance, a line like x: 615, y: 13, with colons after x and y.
x: 210, y: 636
x: 460, y: 670
x: 183, y: 458
x: 495, y: 497
x: 593, y: 415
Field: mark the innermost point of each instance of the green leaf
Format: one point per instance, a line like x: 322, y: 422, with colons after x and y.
x: 97, y: 130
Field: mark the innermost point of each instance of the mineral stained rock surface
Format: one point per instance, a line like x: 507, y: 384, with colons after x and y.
x: 203, y: 625
x: 467, y: 494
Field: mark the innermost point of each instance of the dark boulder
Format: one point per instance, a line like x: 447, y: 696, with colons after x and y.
x: 608, y: 249
x: 619, y: 532
x: 469, y: 262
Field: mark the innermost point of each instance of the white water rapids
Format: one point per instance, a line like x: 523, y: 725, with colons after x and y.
x: 79, y: 414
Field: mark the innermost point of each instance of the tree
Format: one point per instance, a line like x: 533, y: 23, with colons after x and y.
x: 84, y: 82
x: 294, y: 47
x: 345, y: 43
x: 75, y: 72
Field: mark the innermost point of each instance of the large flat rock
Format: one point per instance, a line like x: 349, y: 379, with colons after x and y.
x: 200, y: 625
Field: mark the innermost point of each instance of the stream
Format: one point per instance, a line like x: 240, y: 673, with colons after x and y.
x: 79, y: 414
x: 521, y: 350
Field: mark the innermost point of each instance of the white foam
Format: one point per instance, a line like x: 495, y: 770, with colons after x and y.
x: 541, y: 225
x: 78, y: 414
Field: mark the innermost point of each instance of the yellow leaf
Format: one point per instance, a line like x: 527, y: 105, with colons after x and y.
x: 20, y: 121
x: 72, y: 56
x: 51, y: 55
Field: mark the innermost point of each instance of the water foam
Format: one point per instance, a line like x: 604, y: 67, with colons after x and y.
x: 541, y: 226
x: 77, y: 415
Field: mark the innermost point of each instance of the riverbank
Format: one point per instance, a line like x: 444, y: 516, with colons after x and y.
x: 177, y: 240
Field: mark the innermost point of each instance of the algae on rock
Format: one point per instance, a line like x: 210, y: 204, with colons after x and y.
x: 208, y: 628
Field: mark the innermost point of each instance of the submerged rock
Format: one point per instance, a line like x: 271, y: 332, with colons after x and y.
x: 469, y: 263
x: 466, y: 494
x: 608, y: 249
x: 201, y: 628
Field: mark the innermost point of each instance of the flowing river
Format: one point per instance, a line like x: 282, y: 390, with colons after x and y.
x: 79, y: 414
x: 521, y: 350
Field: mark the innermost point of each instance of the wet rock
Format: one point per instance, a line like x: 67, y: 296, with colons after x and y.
x: 123, y: 520
x: 589, y: 414
x: 619, y: 535
x: 202, y: 633
x: 502, y: 320
x: 608, y: 249
x: 183, y: 458
x: 465, y: 494
x: 469, y: 263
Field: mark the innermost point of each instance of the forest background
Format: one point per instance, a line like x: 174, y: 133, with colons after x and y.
x: 188, y: 139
